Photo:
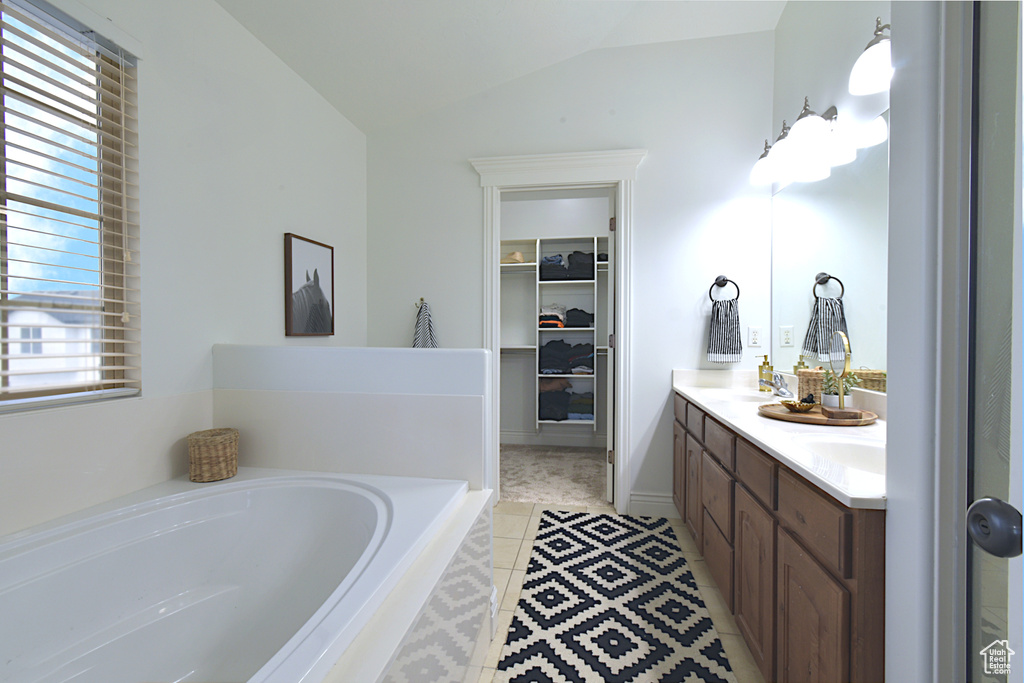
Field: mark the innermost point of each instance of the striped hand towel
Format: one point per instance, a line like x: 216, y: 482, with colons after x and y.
x: 424, y: 336
x: 725, y: 344
x: 827, y: 317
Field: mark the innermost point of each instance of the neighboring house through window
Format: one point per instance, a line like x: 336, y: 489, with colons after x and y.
x: 69, y: 292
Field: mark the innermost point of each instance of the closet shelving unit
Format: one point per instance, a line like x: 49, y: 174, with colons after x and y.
x: 524, y: 292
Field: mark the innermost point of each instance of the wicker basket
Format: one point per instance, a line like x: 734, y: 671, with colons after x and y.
x: 213, y: 454
x: 810, y: 381
x: 871, y: 379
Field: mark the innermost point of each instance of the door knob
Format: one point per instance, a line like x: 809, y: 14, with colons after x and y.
x: 995, y: 526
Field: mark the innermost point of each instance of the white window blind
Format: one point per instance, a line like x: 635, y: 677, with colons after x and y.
x: 69, y: 232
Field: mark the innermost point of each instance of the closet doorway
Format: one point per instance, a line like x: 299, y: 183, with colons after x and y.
x: 556, y: 321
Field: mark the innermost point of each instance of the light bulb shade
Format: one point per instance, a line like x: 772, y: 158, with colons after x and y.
x: 840, y: 149
x: 809, y: 130
x: 763, y: 172
x: 872, y: 133
x: 809, y: 165
x: 873, y: 70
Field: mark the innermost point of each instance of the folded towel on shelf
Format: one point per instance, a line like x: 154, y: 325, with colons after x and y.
x: 827, y: 317
x: 725, y: 344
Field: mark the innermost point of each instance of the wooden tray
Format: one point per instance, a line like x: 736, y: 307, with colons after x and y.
x: 777, y: 411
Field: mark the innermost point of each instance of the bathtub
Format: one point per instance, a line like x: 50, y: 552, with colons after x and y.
x: 265, y: 577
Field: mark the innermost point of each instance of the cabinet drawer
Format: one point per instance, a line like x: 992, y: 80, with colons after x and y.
x: 718, y: 555
x: 716, y: 492
x: 720, y: 442
x: 695, y: 421
x: 680, y: 408
x: 824, y: 526
x: 757, y: 472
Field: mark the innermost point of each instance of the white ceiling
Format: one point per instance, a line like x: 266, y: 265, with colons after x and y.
x: 379, y: 61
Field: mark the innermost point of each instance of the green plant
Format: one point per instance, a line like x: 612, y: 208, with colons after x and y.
x: 829, y: 385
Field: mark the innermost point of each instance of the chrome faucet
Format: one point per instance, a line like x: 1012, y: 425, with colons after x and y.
x: 778, y: 385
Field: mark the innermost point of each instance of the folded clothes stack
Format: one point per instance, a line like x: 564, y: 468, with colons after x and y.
x: 581, y: 406
x: 553, y: 268
x: 579, y: 266
x: 553, y: 405
x: 581, y: 359
x: 558, y: 357
x: 554, y: 384
x: 554, y: 358
x: 552, y: 315
x: 577, y: 317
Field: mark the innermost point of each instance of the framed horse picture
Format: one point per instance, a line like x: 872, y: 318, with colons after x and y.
x: 308, y: 287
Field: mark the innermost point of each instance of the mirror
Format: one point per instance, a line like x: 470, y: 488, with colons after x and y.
x: 838, y: 225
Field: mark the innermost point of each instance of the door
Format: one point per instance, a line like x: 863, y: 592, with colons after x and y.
x: 609, y: 297
x: 995, y: 649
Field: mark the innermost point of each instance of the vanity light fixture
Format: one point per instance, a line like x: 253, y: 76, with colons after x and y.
x: 762, y: 173
x: 873, y: 70
x: 840, y: 149
x: 874, y: 132
x: 809, y: 128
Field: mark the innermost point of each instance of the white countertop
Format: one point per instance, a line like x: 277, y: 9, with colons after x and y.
x: 847, y: 463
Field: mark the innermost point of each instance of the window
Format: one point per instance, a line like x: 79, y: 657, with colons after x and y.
x: 29, y: 333
x: 69, y: 228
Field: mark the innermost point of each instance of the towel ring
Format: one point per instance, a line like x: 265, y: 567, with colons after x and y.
x: 721, y: 281
x: 822, y: 278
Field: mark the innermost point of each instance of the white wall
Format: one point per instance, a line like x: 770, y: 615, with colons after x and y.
x: 235, y: 150
x: 701, y: 109
x: 413, y: 412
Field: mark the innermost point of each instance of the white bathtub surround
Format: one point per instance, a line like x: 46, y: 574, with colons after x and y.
x: 847, y: 463
x: 59, y: 460
x: 451, y: 630
x: 267, y: 576
x: 416, y: 412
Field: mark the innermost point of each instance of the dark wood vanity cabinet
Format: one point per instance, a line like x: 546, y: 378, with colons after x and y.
x: 803, y: 574
x: 754, y: 583
x: 679, y: 468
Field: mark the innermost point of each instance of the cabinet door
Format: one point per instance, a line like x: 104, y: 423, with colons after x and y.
x: 694, y: 509
x: 679, y: 469
x: 754, y: 583
x: 718, y: 555
x: 813, y: 618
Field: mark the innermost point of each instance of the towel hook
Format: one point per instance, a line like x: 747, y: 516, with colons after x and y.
x: 822, y: 278
x: 721, y: 281
x: 419, y: 303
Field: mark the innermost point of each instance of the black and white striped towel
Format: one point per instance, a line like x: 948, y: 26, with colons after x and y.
x: 827, y: 317
x: 725, y: 343
x: 424, y: 336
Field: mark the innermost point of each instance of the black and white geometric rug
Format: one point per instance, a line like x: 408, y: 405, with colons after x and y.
x: 610, y: 598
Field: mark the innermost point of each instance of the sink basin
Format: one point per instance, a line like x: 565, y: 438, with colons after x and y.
x: 859, y: 454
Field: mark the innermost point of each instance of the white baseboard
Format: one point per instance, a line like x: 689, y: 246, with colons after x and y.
x: 652, y: 505
x: 589, y: 439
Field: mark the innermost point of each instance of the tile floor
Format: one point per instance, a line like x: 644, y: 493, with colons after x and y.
x: 515, y: 527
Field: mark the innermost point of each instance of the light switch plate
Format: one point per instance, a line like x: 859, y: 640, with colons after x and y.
x: 754, y: 334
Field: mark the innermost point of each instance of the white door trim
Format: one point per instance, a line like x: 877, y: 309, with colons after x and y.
x: 616, y: 168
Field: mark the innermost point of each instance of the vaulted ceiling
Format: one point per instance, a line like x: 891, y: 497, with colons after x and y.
x: 380, y: 61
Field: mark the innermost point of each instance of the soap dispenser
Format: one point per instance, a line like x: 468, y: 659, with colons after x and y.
x: 764, y: 372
